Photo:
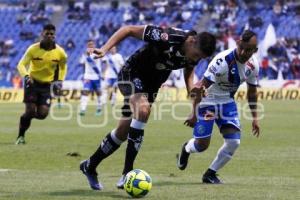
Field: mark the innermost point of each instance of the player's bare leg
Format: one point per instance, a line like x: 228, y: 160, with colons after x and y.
x: 99, y: 103
x: 59, y: 104
x: 42, y: 112
x: 25, y: 121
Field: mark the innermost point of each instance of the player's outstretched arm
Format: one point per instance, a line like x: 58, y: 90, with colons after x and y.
x: 196, y: 94
x: 188, y: 78
x: 118, y: 36
x: 252, y: 101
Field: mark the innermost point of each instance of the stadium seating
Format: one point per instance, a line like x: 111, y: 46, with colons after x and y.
x: 285, y: 23
x: 78, y: 30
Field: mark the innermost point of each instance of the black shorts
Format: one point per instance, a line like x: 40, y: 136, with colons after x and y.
x: 38, y: 93
x: 130, y: 83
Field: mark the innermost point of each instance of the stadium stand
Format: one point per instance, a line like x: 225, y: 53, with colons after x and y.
x: 81, y: 21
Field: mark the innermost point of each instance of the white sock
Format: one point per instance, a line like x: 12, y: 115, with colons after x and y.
x: 190, y: 146
x: 104, y: 96
x: 225, y: 153
x: 115, y: 138
x: 99, y: 102
x: 83, y: 102
x: 113, y: 98
x: 137, y: 124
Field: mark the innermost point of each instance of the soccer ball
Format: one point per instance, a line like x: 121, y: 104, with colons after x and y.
x: 137, y: 183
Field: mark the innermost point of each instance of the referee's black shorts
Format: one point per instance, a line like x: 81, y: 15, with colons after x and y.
x: 38, y: 93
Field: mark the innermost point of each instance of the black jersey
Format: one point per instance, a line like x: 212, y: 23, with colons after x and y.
x: 154, y: 62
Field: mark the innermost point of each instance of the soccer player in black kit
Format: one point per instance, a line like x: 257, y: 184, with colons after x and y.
x: 139, y: 80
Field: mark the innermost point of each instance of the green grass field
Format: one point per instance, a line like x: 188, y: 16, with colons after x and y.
x: 264, y: 168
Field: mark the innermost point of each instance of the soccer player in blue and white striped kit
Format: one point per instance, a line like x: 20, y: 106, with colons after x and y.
x: 91, y: 79
x: 114, y: 62
x: 222, y: 78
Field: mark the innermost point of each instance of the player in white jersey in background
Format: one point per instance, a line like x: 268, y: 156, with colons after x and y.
x: 91, y: 79
x: 222, y: 78
x: 113, y: 64
x: 175, y: 80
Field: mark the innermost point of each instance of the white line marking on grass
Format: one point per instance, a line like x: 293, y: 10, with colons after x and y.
x: 5, y: 170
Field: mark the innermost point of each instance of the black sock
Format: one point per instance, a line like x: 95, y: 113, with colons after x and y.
x: 25, y: 122
x: 135, y: 139
x: 210, y: 172
x: 106, y: 148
